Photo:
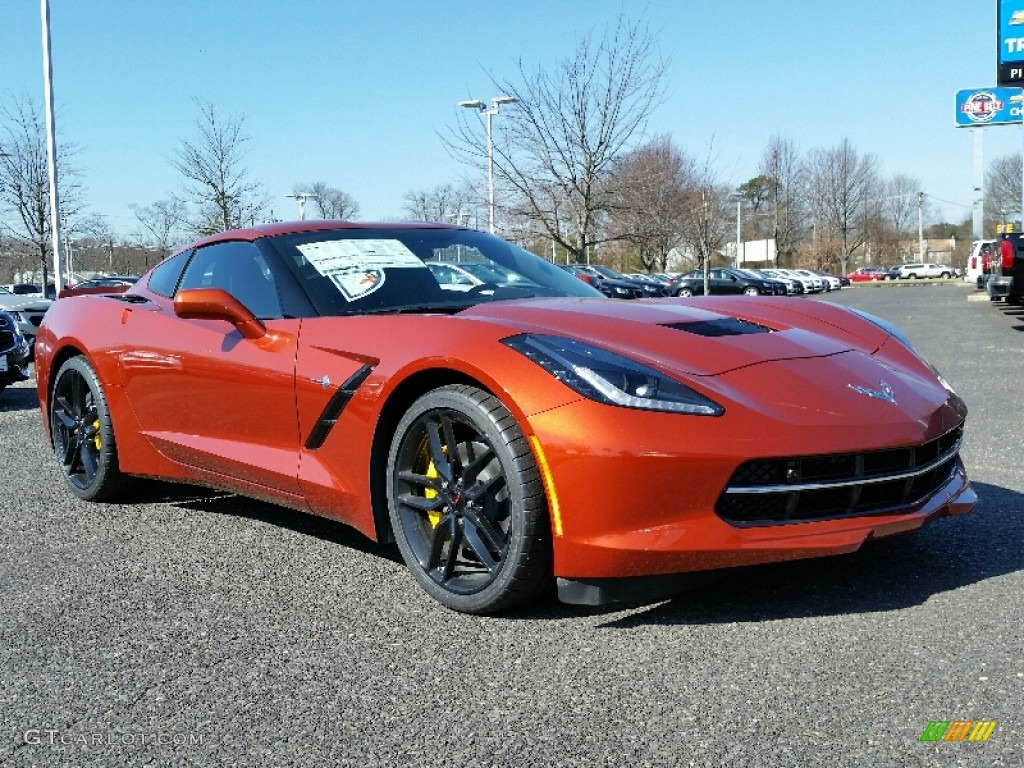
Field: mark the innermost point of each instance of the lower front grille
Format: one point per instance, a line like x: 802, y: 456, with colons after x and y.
x: 800, y: 489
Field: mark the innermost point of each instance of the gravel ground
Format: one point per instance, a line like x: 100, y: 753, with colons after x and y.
x: 189, y: 628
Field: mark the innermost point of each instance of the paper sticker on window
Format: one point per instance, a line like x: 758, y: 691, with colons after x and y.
x: 358, y: 267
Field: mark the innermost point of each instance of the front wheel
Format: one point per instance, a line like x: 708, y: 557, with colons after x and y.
x: 466, y: 502
x: 684, y: 292
x: 83, y: 434
x: 750, y: 291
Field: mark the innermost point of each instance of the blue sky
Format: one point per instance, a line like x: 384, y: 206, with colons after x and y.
x: 356, y: 93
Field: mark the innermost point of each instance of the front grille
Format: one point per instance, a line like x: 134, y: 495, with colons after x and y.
x: 797, y: 489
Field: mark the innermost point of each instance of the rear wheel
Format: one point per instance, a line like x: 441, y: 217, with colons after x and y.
x: 82, y: 433
x: 750, y: 291
x: 684, y: 292
x: 466, y: 502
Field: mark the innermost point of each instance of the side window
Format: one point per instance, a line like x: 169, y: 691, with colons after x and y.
x: 164, y: 279
x: 240, y: 269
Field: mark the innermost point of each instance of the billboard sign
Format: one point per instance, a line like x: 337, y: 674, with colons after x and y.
x: 1010, y: 39
x: 989, y: 106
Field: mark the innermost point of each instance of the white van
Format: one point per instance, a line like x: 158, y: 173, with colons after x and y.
x: 982, y: 252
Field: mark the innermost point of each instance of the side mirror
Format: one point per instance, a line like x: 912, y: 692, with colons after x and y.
x: 218, y: 304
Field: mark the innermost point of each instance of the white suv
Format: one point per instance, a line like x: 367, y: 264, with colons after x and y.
x: 918, y: 271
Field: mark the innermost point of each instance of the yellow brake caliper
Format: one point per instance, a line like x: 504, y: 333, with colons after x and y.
x: 97, y: 439
x: 435, y: 515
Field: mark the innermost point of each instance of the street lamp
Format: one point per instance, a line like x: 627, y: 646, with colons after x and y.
x: 496, y: 103
x: 301, y: 198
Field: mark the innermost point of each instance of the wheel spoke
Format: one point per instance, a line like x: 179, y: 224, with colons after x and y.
x: 64, y: 413
x: 89, y: 463
x: 72, y: 447
x: 420, y: 503
x: 453, y: 448
x: 422, y: 481
x: 476, y: 465
x: 437, y: 451
x: 489, y: 487
x: 494, y: 538
x: 476, y: 542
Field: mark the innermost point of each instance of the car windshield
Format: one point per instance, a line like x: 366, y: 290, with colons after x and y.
x: 358, y: 271
x: 608, y: 272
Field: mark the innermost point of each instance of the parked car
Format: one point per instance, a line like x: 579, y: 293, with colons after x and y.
x: 651, y: 289
x: 834, y: 283
x: 615, y: 289
x: 793, y: 288
x: 867, y: 274
x: 1006, y: 280
x: 723, y: 282
x: 27, y: 311
x: 811, y: 283
x: 509, y: 442
x: 920, y: 270
x: 109, y: 284
x: 775, y: 273
x: 14, y: 352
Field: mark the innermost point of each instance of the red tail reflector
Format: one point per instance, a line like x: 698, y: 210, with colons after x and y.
x: 1006, y: 250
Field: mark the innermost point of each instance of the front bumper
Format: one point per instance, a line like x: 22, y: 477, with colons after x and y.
x: 633, y: 494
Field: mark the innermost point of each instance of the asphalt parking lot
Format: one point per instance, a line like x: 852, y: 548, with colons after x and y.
x: 184, y: 628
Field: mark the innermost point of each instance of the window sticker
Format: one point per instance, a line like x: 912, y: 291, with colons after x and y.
x: 357, y: 267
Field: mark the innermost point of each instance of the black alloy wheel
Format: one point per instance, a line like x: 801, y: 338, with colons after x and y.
x: 466, y: 502
x: 82, y: 433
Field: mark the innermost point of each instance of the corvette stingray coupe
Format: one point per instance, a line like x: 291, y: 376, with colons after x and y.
x: 506, y: 436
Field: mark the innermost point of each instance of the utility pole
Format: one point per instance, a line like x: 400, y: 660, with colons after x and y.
x: 920, y: 225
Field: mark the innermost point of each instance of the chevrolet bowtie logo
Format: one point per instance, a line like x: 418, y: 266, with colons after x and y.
x: 883, y: 393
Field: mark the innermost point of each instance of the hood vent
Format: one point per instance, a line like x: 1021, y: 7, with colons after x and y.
x: 727, y: 326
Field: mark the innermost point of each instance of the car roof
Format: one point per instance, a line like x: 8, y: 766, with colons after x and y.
x: 312, y: 225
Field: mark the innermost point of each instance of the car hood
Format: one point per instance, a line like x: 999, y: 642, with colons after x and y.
x: 707, y: 337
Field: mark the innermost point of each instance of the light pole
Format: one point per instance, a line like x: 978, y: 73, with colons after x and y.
x: 302, y: 197
x: 496, y: 103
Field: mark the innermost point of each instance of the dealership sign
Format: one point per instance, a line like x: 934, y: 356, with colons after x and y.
x: 1010, y: 37
x: 988, y: 106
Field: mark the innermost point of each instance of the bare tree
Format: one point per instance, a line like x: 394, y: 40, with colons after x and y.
x: 445, y: 202
x: 841, y: 182
x: 555, y: 148
x: 25, y: 181
x: 331, y: 202
x: 1003, y: 187
x: 161, y: 223
x: 781, y: 167
x: 647, y: 192
x: 212, y: 166
x: 706, y: 218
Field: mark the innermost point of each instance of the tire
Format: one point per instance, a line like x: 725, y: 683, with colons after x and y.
x: 489, y: 502
x: 945, y: 276
x: 750, y: 291
x: 684, y: 292
x: 82, y: 433
x: 912, y: 276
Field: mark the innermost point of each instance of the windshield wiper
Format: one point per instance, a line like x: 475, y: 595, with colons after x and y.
x: 410, y: 309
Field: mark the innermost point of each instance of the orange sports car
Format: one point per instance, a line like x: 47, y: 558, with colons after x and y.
x: 504, y: 436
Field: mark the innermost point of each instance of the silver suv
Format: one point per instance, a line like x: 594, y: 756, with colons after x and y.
x: 917, y: 271
x: 28, y: 312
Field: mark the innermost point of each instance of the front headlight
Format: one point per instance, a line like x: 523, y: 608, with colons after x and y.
x: 611, y: 378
